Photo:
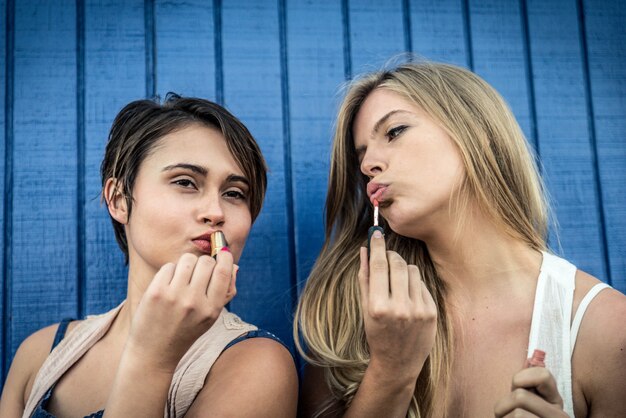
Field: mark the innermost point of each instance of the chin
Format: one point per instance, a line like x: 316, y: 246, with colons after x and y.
x: 406, y: 227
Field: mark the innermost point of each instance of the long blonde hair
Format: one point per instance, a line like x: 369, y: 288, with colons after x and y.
x: 501, y: 176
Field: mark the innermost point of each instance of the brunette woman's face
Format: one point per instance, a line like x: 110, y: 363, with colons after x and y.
x: 186, y: 188
x: 408, y: 157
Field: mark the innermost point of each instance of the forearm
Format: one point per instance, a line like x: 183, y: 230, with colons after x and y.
x: 139, y: 390
x: 382, y: 394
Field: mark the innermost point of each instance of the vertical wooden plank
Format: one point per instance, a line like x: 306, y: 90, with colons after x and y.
x: 80, y: 157
x: 185, y: 48
x: 438, y: 31
x: 252, y: 91
x: 499, y: 56
x: 376, y: 34
x: 5, y: 96
x: 563, y: 131
x: 114, y: 76
x: 604, y: 38
x: 315, y: 66
x: 149, y: 22
x: 44, y: 196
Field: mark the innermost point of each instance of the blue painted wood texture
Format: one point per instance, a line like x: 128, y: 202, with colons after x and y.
x: 114, y: 74
x: 68, y: 67
x: 253, y: 91
x: 315, y: 67
x: 605, y: 40
x: 5, y: 150
x: 43, y: 275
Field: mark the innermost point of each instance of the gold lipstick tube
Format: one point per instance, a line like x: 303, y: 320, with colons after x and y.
x: 218, y: 241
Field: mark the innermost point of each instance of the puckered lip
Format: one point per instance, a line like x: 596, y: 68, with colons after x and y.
x: 206, y: 236
x: 375, y: 190
x: 203, y: 242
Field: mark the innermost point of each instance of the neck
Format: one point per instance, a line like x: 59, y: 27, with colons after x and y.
x: 477, y: 258
x: 138, y: 281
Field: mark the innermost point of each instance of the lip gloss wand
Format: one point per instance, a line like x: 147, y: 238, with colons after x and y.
x: 374, y: 227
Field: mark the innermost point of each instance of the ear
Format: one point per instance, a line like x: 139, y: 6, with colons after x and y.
x: 113, y: 193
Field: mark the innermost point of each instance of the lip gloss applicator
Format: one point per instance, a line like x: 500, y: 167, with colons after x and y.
x: 374, y: 227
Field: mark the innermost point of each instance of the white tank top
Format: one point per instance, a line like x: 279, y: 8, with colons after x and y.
x: 550, y: 328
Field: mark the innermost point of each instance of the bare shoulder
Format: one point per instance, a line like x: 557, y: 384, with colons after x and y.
x: 27, y: 361
x: 33, y: 352
x: 599, y: 358
x: 605, y: 303
x: 604, y: 316
x: 255, y: 377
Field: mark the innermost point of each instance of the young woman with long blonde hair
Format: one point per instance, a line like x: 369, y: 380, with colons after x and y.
x: 441, y: 316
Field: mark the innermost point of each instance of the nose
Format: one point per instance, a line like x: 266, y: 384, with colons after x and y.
x: 372, y: 163
x: 212, y: 212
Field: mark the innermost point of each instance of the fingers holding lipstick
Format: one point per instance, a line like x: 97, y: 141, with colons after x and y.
x: 214, y: 277
x: 184, y: 300
x: 534, y: 392
x: 232, y: 288
x: 202, y: 272
x: 378, y: 268
x: 398, y: 313
x: 184, y: 271
x: 540, y: 379
x: 398, y: 279
x: 418, y: 291
x: 221, y: 279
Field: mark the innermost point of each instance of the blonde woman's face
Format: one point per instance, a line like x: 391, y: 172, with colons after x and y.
x: 408, y: 156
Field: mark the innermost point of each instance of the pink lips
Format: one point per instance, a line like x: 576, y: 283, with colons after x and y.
x: 375, y: 191
x: 203, y: 245
x: 203, y: 242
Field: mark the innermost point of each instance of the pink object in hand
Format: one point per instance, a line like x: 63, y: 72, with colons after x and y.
x: 537, y: 360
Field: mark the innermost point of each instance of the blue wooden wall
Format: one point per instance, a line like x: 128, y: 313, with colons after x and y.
x: 69, y: 66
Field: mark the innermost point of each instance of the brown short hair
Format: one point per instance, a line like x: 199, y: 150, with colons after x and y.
x: 140, y: 125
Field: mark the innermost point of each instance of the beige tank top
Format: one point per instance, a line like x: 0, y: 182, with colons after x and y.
x: 188, y: 378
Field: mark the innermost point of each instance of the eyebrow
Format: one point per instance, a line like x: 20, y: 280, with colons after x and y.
x: 191, y: 167
x: 233, y: 178
x: 361, y: 150
x: 386, y: 117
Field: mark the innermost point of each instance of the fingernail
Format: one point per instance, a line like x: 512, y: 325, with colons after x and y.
x: 377, y: 234
x: 225, y: 249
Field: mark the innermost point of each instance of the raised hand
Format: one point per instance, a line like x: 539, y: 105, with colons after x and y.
x: 533, y: 394
x: 181, y: 303
x: 399, y: 313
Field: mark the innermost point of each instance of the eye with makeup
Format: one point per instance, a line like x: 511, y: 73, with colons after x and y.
x: 394, y: 132
x: 185, y: 183
x: 235, y: 193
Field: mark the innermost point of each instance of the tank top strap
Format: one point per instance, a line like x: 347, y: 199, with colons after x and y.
x: 556, y: 283
x: 67, y: 350
x: 61, y: 330
x: 551, y: 319
x: 259, y: 333
x: 40, y: 411
x: 193, y: 368
x: 582, y: 308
